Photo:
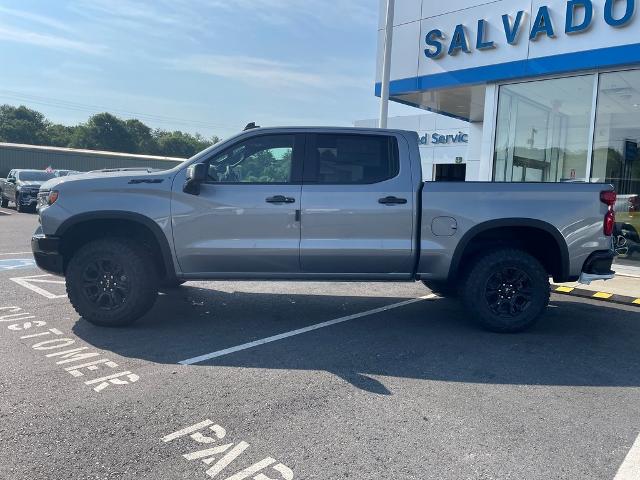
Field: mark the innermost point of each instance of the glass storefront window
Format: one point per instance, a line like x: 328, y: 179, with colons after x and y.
x: 543, y: 130
x: 616, y: 157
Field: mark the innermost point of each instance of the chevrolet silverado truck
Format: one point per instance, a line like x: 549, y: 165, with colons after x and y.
x: 21, y: 187
x: 322, y: 204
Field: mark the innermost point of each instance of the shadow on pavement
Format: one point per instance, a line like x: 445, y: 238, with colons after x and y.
x: 576, y: 344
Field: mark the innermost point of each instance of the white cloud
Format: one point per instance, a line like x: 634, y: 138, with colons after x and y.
x: 264, y: 72
x: 48, y: 41
x: 34, y: 18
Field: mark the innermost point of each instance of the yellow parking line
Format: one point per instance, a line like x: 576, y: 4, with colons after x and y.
x: 603, y: 295
x: 565, y: 289
x: 637, y: 301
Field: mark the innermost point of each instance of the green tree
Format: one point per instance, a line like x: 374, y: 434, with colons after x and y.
x: 22, y: 125
x: 180, y: 144
x: 142, y: 136
x: 59, y: 135
x: 104, y: 132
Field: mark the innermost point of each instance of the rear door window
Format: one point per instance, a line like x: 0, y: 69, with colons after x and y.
x: 351, y: 159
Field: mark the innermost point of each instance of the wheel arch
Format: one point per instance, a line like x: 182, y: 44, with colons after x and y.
x: 78, y: 230
x: 520, y: 232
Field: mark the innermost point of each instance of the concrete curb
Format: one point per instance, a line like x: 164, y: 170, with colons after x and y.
x: 603, y: 296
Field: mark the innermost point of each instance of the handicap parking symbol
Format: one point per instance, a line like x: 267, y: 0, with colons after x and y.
x: 17, y: 264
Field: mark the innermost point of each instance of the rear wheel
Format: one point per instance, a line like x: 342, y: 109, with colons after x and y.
x: 112, y: 282
x: 507, y: 290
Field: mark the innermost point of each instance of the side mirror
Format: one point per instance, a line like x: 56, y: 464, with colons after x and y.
x: 11, y: 180
x: 196, y: 174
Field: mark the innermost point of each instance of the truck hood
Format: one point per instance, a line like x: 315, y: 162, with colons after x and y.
x: 28, y: 184
x: 107, y: 178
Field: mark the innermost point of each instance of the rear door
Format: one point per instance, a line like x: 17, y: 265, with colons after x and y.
x: 357, y: 206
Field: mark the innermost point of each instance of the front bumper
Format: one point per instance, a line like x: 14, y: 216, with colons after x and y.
x: 47, y: 254
x: 28, y: 197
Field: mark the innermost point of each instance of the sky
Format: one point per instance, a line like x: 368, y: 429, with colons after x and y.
x: 207, y: 66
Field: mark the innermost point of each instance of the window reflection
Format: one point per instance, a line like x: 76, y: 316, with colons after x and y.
x: 543, y: 130
x: 616, y: 157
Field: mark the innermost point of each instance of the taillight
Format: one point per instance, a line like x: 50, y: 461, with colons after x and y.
x: 609, y: 222
x: 609, y: 198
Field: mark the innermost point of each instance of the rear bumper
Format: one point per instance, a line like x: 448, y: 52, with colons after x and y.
x: 598, y: 267
x: 47, y: 254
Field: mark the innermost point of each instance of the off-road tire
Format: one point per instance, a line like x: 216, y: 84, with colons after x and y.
x: 4, y: 202
x: 133, y: 264
x: 506, y: 279
x: 442, y: 289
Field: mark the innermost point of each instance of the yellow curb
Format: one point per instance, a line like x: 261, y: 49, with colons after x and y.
x: 603, y: 295
x: 565, y: 289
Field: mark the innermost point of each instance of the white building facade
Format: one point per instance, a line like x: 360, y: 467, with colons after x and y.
x: 445, y: 145
x: 549, y: 89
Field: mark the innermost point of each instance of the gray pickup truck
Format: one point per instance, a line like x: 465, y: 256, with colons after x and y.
x: 21, y: 187
x: 334, y: 204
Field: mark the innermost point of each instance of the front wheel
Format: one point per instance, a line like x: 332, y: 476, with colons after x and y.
x: 19, y: 207
x: 507, y: 290
x: 112, y: 282
x: 4, y: 202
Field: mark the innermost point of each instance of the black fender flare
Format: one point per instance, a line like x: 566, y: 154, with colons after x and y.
x: 512, y: 222
x: 143, y: 220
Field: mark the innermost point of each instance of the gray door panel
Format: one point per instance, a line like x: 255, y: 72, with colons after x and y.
x: 346, y: 228
x: 232, y: 228
x: 244, y: 220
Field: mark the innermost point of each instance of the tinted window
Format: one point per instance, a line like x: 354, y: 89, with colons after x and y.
x: 35, y: 176
x: 264, y: 159
x: 355, y: 159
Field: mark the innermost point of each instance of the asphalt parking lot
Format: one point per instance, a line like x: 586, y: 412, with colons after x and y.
x: 399, y: 386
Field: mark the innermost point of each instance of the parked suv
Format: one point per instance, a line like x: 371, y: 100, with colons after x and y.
x: 21, y: 187
x: 334, y: 204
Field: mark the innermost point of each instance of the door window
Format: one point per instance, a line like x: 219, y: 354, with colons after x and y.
x: 353, y: 159
x: 264, y: 159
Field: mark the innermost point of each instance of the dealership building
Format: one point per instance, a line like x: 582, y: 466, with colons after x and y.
x: 547, y: 91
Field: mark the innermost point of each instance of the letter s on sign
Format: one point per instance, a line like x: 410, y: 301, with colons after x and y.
x: 432, y: 39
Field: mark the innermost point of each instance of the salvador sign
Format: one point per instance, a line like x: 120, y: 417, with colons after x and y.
x: 579, y: 17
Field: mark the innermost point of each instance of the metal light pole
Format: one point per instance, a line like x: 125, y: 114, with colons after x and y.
x: 386, y: 65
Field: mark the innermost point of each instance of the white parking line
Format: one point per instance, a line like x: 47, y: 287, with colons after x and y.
x: 630, y: 468
x: 300, y: 331
x: 4, y: 212
x: 28, y: 282
x: 15, y: 253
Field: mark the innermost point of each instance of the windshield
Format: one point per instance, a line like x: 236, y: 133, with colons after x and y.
x: 35, y: 176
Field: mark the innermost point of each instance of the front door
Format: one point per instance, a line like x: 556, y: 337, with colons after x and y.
x: 357, y: 206
x: 244, y: 222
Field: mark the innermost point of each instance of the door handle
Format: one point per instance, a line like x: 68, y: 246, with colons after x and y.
x: 393, y: 201
x: 280, y: 199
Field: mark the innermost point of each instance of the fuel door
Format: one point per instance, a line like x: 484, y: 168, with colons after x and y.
x: 444, y: 226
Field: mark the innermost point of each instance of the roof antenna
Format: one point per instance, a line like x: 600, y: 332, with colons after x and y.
x: 250, y: 126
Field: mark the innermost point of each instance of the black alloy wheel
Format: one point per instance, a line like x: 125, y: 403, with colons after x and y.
x: 509, y: 292
x: 106, y: 284
x: 506, y: 290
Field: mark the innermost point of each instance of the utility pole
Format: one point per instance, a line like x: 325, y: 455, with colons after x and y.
x: 386, y: 65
